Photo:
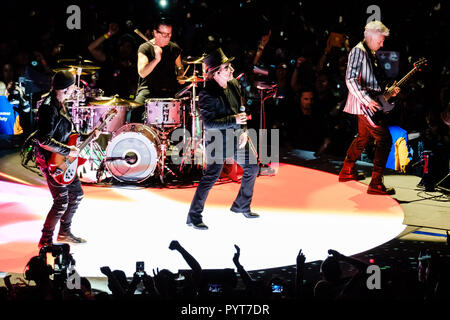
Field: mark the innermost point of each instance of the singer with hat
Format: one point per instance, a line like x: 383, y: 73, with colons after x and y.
x: 224, y: 119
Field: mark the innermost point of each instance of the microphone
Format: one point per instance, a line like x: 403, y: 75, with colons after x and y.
x: 242, y: 109
x: 130, y: 159
x: 250, y: 143
x: 183, y: 91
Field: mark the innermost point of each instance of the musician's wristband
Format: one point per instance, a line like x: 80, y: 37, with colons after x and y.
x: 107, y: 35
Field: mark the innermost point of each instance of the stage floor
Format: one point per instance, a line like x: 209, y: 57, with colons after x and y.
x: 300, y: 208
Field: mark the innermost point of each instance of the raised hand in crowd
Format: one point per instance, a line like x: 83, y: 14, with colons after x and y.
x: 93, y: 47
x: 190, y: 260
x: 149, y: 284
x: 295, y: 77
x: 113, y: 28
x: 361, y: 266
x: 299, y: 274
x: 193, y: 264
x: 113, y: 283
x: 261, y: 45
x: 246, y: 278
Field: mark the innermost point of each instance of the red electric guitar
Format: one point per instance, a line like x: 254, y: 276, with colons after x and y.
x: 64, y: 168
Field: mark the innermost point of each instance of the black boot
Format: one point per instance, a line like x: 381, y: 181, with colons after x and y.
x: 68, y: 237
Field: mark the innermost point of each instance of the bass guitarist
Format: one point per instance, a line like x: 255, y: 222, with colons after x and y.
x: 54, y: 125
x: 364, y: 74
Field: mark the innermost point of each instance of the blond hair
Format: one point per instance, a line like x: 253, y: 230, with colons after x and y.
x: 375, y: 27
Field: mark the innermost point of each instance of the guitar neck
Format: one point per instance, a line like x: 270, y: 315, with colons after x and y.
x: 399, y: 84
x: 91, y: 136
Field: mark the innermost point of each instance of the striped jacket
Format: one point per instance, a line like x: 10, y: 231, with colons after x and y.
x: 360, y: 79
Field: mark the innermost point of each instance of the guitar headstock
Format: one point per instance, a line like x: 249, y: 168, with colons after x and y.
x: 422, y: 62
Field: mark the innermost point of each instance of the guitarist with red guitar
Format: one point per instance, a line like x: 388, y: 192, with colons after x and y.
x: 54, y: 127
x: 363, y: 76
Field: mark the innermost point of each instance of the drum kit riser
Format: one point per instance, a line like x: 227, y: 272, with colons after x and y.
x: 133, y: 152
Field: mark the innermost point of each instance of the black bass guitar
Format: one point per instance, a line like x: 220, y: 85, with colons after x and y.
x: 383, y: 99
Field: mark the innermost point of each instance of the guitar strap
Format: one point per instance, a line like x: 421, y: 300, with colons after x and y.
x: 380, y: 74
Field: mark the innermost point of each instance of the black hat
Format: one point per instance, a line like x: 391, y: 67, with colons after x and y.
x: 215, y: 59
x: 62, y: 80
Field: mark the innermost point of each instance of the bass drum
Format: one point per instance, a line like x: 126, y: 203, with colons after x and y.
x: 133, y: 153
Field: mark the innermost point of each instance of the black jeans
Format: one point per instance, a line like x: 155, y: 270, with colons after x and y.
x: 212, y: 173
x: 383, y: 143
x: 66, y: 199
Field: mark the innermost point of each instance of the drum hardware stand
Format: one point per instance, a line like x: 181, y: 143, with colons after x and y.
x: 162, y: 160
x: 101, y: 170
x: 194, y: 141
x: 94, y: 154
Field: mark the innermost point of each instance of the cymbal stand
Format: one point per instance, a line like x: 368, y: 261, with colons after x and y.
x: 93, y: 147
x: 194, y: 140
x: 162, y: 160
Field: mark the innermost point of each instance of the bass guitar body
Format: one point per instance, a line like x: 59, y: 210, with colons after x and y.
x: 385, y: 107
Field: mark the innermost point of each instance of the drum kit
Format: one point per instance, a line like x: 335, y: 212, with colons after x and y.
x: 135, y: 152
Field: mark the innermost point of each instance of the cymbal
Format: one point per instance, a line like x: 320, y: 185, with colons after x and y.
x: 193, y: 60
x: 116, y: 101
x: 74, y: 61
x: 73, y: 71
x: 84, y: 66
x: 191, y: 79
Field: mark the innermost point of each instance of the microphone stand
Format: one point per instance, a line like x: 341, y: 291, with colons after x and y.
x: 262, y: 122
x: 271, y: 91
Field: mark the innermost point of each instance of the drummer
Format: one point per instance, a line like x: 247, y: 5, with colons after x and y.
x: 159, y: 63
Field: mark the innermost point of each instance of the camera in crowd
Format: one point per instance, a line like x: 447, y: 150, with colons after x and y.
x: 218, y: 281
x: 215, y: 287
x: 140, y: 268
x: 58, y: 256
x: 277, y: 288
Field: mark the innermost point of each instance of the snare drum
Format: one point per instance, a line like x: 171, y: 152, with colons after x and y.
x: 163, y: 112
x: 132, y: 154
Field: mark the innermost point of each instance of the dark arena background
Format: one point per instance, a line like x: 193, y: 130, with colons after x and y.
x: 316, y: 238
